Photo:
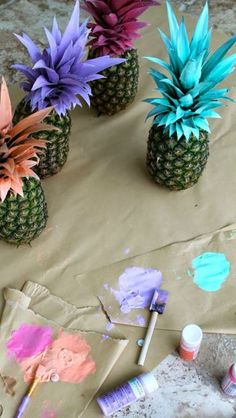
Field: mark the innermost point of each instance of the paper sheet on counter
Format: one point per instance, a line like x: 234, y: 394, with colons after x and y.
x: 104, y: 208
x: 35, y: 305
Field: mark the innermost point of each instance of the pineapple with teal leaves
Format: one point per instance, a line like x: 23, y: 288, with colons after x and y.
x: 58, y: 75
x: 114, y: 28
x: 178, y: 143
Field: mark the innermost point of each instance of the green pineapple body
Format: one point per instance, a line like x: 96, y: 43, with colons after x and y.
x: 22, y: 219
x: 115, y: 92
x: 54, y: 156
x: 176, y: 164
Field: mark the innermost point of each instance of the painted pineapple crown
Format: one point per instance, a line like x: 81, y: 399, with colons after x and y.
x: 60, y: 73
x: 116, y: 24
x: 18, y: 151
x: 189, y: 96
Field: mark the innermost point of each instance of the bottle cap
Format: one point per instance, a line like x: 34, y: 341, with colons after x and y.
x: 149, y: 382
x: 192, y: 335
x: 54, y: 377
x: 233, y: 370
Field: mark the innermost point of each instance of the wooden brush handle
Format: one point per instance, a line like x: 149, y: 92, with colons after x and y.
x: 148, y: 337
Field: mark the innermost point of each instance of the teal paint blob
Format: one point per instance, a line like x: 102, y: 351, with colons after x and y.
x: 211, y: 271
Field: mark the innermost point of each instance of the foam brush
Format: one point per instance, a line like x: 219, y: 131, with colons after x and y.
x: 157, y: 306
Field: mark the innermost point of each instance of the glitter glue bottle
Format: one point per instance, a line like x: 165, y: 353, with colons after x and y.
x: 190, y: 342
x: 228, y: 383
x: 128, y: 393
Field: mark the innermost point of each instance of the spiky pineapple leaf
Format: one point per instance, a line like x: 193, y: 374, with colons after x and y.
x: 188, y: 90
x: 191, y: 73
x: 183, y: 49
x: 217, y: 56
x: 18, y: 151
x: 201, y: 28
x: 115, y: 24
x: 173, y: 24
x: 60, y: 73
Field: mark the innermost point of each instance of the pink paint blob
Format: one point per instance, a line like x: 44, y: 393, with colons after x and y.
x: 137, y: 285
x: 49, y: 413
x: 29, y: 340
x: 68, y: 357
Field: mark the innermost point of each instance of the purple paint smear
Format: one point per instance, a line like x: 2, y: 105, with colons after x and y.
x: 127, y: 250
x: 140, y: 320
x: 104, y: 338
x: 29, y: 340
x: 109, y: 326
x: 137, y: 285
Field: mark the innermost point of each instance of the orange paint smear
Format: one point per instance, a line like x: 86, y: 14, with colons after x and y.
x: 68, y: 356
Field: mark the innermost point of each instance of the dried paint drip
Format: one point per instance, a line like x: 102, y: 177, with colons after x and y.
x: 136, y: 287
x: 29, y: 340
x: 68, y: 357
x: 9, y: 384
x: 127, y: 250
x: 211, y: 271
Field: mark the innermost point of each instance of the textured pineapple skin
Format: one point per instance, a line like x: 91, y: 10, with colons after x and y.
x: 115, y: 92
x: 54, y: 156
x: 176, y: 164
x: 22, y: 219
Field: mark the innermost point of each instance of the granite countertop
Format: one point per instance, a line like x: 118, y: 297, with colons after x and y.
x: 222, y: 12
x: 186, y: 390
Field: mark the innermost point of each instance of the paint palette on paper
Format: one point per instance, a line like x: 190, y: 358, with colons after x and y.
x: 66, y: 356
x: 210, y: 271
x: 133, y: 293
x: 67, y: 364
x: 200, y: 276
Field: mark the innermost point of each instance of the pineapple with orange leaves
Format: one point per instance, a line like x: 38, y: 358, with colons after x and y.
x: 23, y: 211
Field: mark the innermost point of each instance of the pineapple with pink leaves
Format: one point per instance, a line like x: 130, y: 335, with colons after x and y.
x: 113, y: 31
x: 23, y: 211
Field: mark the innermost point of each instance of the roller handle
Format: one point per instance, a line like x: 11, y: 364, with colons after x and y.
x: 148, y: 337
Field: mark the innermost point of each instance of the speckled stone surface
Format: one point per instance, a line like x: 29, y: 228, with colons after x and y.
x: 186, y: 390
x: 25, y: 15
x: 222, y: 12
x: 191, y: 390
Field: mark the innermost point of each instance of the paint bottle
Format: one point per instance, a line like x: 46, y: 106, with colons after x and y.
x: 228, y: 383
x: 128, y: 393
x: 190, y: 342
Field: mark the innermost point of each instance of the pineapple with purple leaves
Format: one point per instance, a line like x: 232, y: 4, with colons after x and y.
x: 23, y: 210
x: 59, y: 76
x: 114, y: 28
x: 178, y: 143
